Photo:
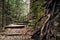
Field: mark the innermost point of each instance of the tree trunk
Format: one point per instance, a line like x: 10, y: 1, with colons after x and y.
x: 52, y: 10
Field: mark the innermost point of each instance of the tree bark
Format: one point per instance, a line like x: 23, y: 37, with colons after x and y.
x: 52, y: 11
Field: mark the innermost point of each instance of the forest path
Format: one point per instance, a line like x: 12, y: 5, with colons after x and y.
x: 15, y: 32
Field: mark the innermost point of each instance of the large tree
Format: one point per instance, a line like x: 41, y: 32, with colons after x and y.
x: 52, y: 9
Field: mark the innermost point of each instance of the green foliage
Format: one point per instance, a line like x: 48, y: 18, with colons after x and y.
x: 37, y: 9
x: 14, y: 9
